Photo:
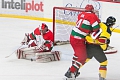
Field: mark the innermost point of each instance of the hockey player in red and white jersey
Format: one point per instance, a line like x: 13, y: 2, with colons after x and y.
x: 87, y: 23
x: 39, y: 45
x: 42, y: 37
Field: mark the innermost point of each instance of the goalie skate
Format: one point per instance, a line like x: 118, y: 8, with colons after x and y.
x: 110, y: 50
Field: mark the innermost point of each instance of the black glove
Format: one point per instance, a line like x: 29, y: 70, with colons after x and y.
x: 108, y: 41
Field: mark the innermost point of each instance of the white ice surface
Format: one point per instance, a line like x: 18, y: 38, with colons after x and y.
x: 12, y: 32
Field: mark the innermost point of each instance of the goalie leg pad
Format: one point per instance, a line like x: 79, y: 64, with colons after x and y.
x: 19, y: 54
x: 57, y: 55
x: 48, y: 56
x: 26, y: 53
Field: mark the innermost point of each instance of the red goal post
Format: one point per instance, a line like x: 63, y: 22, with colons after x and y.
x: 64, y: 19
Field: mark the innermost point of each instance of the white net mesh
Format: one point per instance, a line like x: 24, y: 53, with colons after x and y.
x: 64, y: 21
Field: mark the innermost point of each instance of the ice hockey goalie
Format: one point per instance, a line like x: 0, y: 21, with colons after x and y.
x: 38, y: 46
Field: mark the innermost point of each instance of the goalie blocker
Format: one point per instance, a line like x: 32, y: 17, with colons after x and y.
x: 32, y: 54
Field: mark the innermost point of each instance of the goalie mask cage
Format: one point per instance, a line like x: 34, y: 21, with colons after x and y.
x: 64, y: 19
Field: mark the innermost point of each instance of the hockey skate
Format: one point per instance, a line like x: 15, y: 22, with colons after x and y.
x: 101, y: 78
x: 71, y: 76
x: 77, y: 74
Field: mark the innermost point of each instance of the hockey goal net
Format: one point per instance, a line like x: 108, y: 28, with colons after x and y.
x: 64, y: 19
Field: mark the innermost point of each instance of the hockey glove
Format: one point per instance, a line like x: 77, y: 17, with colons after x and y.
x: 26, y: 39
x: 42, y: 48
x: 32, y: 43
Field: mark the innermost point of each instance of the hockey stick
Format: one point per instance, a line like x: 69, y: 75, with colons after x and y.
x: 13, y: 52
x: 114, y: 28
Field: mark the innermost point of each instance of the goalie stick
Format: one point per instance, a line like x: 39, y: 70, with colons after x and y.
x: 13, y: 52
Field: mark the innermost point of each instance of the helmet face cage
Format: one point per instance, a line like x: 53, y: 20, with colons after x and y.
x: 43, y: 28
x: 111, y: 20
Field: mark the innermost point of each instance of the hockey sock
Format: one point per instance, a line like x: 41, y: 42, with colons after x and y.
x: 103, y: 69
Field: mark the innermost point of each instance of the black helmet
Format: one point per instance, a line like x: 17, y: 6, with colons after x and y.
x: 110, y: 21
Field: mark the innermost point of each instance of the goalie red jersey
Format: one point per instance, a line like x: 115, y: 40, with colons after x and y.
x: 48, y: 35
x: 41, y: 37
